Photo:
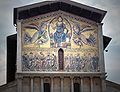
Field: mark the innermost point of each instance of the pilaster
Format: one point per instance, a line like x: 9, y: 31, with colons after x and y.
x: 103, y: 83
x: 32, y: 86
x: 19, y: 83
x: 19, y: 46
x: 101, y: 50
x: 81, y: 80
x: 51, y: 83
x: 72, y: 84
x: 42, y: 85
x: 61, y: 81
x: 91, y: 83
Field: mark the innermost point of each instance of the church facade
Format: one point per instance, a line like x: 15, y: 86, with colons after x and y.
x: 60, y: 52
x: 59, y: 48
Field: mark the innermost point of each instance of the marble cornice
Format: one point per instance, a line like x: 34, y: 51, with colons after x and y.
x: 61, y: 74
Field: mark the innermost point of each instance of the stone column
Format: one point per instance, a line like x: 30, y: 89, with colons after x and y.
x: 61, y: 84
x: 32, y: 86
x: 103, y: 86
x: 19, y: 78
x: 72, y: 84
x: 19, y: 84
x: 51, y: 84
x: 103, y: 83
x: 91, y: 84
x: 42, y: 84
x: 81, y: 84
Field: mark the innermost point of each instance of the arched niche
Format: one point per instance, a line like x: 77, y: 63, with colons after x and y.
x: 61, y: 59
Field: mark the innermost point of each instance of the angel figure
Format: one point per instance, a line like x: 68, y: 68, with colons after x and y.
x: 38, y: 37
x: 79, y: 38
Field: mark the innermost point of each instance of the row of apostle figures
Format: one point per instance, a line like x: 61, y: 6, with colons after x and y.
x: 69, y: 62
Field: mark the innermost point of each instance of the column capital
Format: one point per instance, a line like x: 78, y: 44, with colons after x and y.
x: 103, y: 77
x: 41, y: 77
x: 91, y: 77
x: 51, y: 76
x: 71, y: 77
x: 19, y: 76
x: 31, y: 77
x: 81, y: 77
x: 61, y: 77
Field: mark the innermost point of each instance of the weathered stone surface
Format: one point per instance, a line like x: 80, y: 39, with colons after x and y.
x: 56, y: 85
x: 67, y: 85
x: 26, y: 85
x: 86, y: 84
x: 37, y: 85
x: 97, y: 85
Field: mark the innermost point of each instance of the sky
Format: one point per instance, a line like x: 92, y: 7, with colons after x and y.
x: 110, y: 28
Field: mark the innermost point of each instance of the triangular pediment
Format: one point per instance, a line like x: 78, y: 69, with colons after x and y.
x: 64, y: 5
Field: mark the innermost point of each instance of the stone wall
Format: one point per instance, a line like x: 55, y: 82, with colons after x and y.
x: 56, y: 84
x: 61, y: 83
x: 26, y: 85
x: 10, y: 87
x: 112, y: 87
x: 67, y: 84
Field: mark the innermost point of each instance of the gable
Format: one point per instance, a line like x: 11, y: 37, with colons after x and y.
x: 65, y: 5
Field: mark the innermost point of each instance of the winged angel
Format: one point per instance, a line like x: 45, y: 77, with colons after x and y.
x: 39, y: 36
x: 80, y: 39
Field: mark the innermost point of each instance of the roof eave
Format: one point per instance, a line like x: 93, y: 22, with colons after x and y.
x: 72, y: 3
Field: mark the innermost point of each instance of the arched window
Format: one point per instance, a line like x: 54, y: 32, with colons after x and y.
x: 77, y: 84
x: 61, y: 59
x: 46, y: 87
x: 76, y: 87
